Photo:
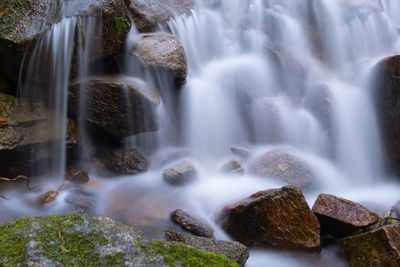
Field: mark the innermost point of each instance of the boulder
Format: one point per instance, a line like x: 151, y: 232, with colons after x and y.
x: 379, y: 247
x: 78, y: 176
x: 126, y: 161
x: 120, y: 107
x: 280, y: 164
x: 387, y: 100
x: 25, y: 22
x: 340, y: 217
x: 233, y: 167
x: 161, y: 51
x: 147, y: 14
x: 83, y: 240
x: 180, y: 174
x: 26, y: 138
x: 233, y: 250
x: 276, y: 218
x: 191, y: 224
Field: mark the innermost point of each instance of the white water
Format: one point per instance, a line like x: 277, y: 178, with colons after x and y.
x: 232, y: 47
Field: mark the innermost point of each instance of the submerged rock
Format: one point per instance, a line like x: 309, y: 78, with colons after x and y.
x: 241, y: 153
x: 48, y: 197
x: 387, y: 99
x: 340, y: 217
x: 161, y: 51
x: 279, y: 218
x: 78, y: 176
x: 233, y: 167
x: 180, y: 174
x: 126, y: 161
x: 191, y: 224
x: 147, y: 14
x: 233, y: 250
x: 379, y: 247
x: 284, y: 166
x: 83, y: 240
x: 121, y: 107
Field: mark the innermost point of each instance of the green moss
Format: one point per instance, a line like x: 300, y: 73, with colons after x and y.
x: 12, y: 11
x: 173, y: 252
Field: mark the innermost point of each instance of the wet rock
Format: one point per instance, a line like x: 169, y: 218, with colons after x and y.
x: 318, y: 100
x: 180, y: 174
x: 161, y: 51
x: 81, y: 201
x: 48, y: 197
x: 126, y: 162
x: 379, y: 247
x: 26, y: 139
x: 280, y: 164
x: 24, y: 22
x: 147, y: 14
x: 191, y: 224
x: 387, y: 100
x: 233, y: 167
x: 120, y: 107
x: 233, y: 250
x: 340, y: 217
x: 83, y: 240
x: 78, y: 176
x: 279, y: 218
x: 240, y: 153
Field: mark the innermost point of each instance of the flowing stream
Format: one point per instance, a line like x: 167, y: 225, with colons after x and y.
x: 262, y: 75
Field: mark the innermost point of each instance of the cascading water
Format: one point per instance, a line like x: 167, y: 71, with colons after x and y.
x: 264, y: 75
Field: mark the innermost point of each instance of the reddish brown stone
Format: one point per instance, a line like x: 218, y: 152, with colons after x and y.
x: 379, y: 247
x: 191, y: 224
x: 233, y: 167
x: 340, y: 217
x: 48, y: 197
x: 278, y: 218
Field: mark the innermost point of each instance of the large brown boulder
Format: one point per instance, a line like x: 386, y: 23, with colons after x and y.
x: 26, y: 137
x: 379, y: 247
x: 126, y: 161
x: 191, y: 224
x: 121, y: 107
x: 340, y: 217
x: 147, y: 14
x: 161, y: 51
x: 387, y: 100
x: 279, y: 218
x: 280, y: 164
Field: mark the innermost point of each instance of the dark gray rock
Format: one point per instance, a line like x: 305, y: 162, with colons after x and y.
x: 180, y: 174
x: 126, y: 161
x: 191, y: 224
x: 78, y: 176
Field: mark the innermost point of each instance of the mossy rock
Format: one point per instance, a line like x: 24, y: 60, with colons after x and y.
x: 83, y: 240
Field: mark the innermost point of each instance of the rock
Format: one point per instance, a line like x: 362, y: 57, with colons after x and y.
x: 126, y: 162
x: 48, y: 197
x: 191, y: 225
x: 340, y: 217
x: 161, y: 51
x: 318, y: 100
x: 379, y: 247
x: 81, y: 201
x: 78, y: 176
x: 83, y: 240
x: 180, y: 174
x: 241, y: 153
x: 120, y: 107
x: 284, y: 166
x: 24, y: 22
x: 387, y: 100
x: 26, y: 138
x: 233, y: 250
x: 276, y: 218
x: 147, y: 14
x: 233, y: 167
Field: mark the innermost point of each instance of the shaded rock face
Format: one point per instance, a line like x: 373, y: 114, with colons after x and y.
x: 387, y: 100
x: 83, y: 240
x: 233, y: 250
x: 120, y: 107
x: 241, y: 153
x: 340, y: 217
x: 284, y: 166
x: 25, y: 137
x: 279, y: 218
x: 380, y: 247
x: 319, y: 101
x: 180, y: 174
x: 163, y: 52
x: 78, y: 176
x: 191, y: 224
x: 233, y: 167
x: 28, y: 20
x: 147, y: 14
x: 126, y: 162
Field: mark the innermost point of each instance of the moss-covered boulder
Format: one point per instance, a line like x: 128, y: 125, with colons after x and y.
x: 83, y: 240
